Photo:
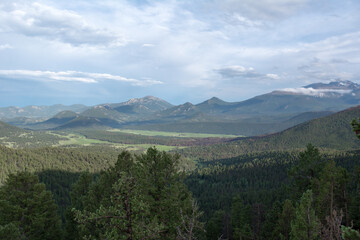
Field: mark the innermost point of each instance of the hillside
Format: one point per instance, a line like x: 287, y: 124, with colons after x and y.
x: 16, y: 137
x: 330, y: 132
x: 67, y: 159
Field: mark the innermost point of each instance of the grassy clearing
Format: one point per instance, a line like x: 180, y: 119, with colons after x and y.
x: 173, y: 134
x: 80, y: 140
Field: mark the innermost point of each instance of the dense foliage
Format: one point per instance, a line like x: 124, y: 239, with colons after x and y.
x: 27, y: 210
x: 241, y: 191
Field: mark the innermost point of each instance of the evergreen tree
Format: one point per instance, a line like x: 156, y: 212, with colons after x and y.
x: 215, y: 225
x: 309, y: 167
x: 270, y: 229
x: 241, y: 219
x: 166, y: 193
x: 140, y: 196
x: 305, y: 226
x: 287, y: 215
x: 27, y: 208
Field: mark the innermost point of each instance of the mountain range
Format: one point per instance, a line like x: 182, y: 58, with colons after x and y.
x: 267, y: 113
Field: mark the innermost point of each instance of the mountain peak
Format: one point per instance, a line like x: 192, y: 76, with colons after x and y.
x: 331, y: 89
x: 335, y: 85
x: 215, y: 100
x: 145, y: 99
x: 65, y: 114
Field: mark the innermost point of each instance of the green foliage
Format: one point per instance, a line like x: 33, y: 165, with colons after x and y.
x: 331, y: 132
x: 140, y: 196
x: 215, y: 225
x: 92, y: 159
x: 349, y: 233
x: 306, y: 224
x: 241, y: 219
x: 308, y: 168
x: 287, y: 215
x: 10, y: 232
x: 330, y: 190
x: 28, y: 208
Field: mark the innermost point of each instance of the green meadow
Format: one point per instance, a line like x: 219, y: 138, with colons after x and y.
x: 173, y: 134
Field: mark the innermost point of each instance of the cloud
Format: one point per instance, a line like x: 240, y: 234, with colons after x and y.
x: 315, y: 92
x: 236, y: 71
x: 39, y: 20
x: 148, y: 45
x: 325, y: 70
x: 5, y: 46
x: 262, y: 9
x: 73, y: 76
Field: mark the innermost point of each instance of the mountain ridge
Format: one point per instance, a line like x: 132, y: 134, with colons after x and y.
x: 281, y: 105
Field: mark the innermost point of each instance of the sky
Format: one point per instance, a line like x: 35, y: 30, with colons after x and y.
x: 93, y: 52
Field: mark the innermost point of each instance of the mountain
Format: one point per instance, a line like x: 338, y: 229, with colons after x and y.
x: 267, y: 113
x: 214, y: 106
x: 334, y: 96
x: 9, y: 130
x: 183, y: 111
x: 38, y: 111
x: 56, y: 121
x: 88, y: 122
x: 104, y: 115
x: 329, y: 132
x: 145, y: 105
x: 335, y: 85
x: 104, y: 112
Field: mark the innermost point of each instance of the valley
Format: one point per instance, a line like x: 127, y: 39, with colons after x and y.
x: 235, y: 159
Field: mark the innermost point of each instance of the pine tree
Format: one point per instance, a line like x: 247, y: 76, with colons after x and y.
x: 140, y: 196
x: 305, y: 225
x: 27, y: 207
x: 309, y: 167
x: 241, y: 219
x: 287, y: 215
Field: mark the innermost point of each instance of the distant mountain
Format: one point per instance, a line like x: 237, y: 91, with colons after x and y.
x: 319, y: 97
x: 181, y: 112
x: 334, y: 96
x: 145, y: 105
x: 56, y: 121
x: 262, y: 114
x: 38, y: 111
x: 105, y: 115
x: 214, y: 106
x: 88, y: 122
x: 115, y: 114
x: 104, y: 111
x: 335, y: 85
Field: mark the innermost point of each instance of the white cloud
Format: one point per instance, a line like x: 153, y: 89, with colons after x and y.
x: 148, y: 45
x: 5, y: 46
x: 73, y: 76
x: 315, y: 92
x: 262, y: 9
x: 273, y: 76
x: 237, y: 71
x: 39, y: 20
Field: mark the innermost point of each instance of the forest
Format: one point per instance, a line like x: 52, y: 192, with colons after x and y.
x: 99, y: 192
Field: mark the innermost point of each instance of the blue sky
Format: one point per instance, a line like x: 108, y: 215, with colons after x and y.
x: 94, y: 52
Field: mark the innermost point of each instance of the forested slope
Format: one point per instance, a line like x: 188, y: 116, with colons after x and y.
x: 330, y: 132
x: 73, y: 160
